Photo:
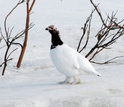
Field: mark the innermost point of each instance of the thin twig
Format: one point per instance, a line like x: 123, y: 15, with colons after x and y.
x: 86, y: 25
x: 98, y: 11
x: 32, y: 5
x: 11, y: 52
x: 106, y: 62
x: 4, y: 62
x: 5, y: 21
x: 10, y: 31
x: 105, y: 36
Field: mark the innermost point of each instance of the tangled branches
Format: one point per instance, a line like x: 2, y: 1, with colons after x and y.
x: 11, y: 40
x: 105, y: 37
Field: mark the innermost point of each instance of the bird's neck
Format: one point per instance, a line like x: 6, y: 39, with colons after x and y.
x: 56, y: 40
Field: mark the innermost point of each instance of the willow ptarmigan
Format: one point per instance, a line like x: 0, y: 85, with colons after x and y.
x: 67, y: 60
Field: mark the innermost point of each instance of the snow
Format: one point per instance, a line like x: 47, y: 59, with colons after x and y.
x: 35, y: 84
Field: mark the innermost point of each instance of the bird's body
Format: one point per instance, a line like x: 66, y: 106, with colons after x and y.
x: 64, y: 59
x: 67, y: 60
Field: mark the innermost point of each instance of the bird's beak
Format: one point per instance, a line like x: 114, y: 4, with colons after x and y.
x: 46, y: 29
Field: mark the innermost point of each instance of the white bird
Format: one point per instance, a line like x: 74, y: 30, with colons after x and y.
x: 67, y: 60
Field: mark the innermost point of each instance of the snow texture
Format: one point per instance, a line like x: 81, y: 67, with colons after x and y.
x: 35, y: 83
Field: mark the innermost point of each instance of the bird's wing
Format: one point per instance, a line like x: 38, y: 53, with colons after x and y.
x: 65, y: 60
x: 85, y: 65
x: 68, y: 55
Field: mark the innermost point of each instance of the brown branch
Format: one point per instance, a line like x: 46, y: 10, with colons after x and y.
x: 87, y: 40
x: 86, y: 25
x: 4, y: 62
x: 5, y: 21
x: 8, y: 39
x: 84, y: 31
x: 10, y: 32
x: 32, y: 5
x: 21, y: 1
x: 14, y: 43
x: 105, y: 37
x: 2, y: 35
x: 106, y: 62
x: 99, y: 13
x: 5, y: 59
x: 27, y: 26
x: 11, y: 53
x: 92, y: 50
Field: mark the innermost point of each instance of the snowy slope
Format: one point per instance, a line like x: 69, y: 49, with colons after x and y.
x: 35, y: 83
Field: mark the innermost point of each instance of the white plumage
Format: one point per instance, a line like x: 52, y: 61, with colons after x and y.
x: 67, y: 60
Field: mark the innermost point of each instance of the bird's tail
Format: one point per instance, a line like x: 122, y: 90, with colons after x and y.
x: 96, y: 73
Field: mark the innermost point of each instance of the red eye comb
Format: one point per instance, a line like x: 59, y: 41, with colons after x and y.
x: 51, y: 27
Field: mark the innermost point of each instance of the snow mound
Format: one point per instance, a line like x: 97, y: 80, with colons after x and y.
x: 35, y: 83
x: 89, y: 102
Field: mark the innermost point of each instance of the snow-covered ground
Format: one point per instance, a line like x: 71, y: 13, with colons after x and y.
x: 35, y: 83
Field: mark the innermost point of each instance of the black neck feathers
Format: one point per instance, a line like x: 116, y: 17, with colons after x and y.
x: 55, y: 39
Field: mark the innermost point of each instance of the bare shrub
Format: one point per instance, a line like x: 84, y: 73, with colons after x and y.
x: 104, y: 36
x: 11, y: 40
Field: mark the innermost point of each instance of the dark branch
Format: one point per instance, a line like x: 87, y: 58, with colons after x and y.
x: 109, y: 61
x: 105, y: 36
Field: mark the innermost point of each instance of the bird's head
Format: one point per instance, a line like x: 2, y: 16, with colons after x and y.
x: 55, y: 38
x: 52, y: 29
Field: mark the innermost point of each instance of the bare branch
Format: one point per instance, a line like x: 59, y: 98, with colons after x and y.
x: 86, y: 26
x: 32, y: 5
x: 105, y: 36
x: 5, y: 21
x: 27, y: 27
x: 106, y: 62
x: 4, y: 62
x: 9, y: 33
x: 11, y: 53
x: 8, y: 40
x: 2, y: 35
x: 98, y: 11
x: 21, y: 1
